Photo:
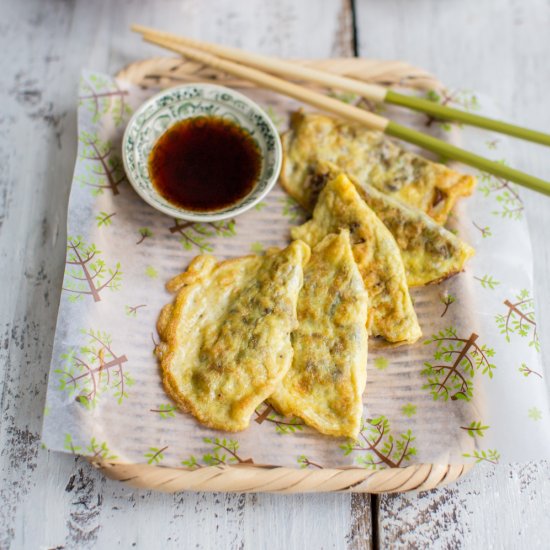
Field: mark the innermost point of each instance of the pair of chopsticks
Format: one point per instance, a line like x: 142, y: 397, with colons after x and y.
x: 257, y: 68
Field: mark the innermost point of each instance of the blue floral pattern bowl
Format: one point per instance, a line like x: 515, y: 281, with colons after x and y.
x: 163, y: 110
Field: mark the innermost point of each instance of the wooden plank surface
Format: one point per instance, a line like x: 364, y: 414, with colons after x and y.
x: 500, y: 48
x: 55, y: 501
x: 52, y: 500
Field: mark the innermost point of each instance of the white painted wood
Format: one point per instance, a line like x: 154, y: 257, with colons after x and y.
x: 51, y: 500
x: 499, y: 47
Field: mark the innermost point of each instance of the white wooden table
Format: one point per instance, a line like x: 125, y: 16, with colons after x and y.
x: 55, y: 501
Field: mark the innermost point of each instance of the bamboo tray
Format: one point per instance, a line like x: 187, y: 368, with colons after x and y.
x: 163, y: 72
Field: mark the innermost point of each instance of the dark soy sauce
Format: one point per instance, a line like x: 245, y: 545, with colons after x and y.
x: 205, y: 164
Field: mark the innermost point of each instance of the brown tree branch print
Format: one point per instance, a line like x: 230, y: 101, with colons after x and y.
x: 456, y: 359
x: 104, y: 171
x: 304, y: 462
x: 446, y: 299
x: 94, y: 449
x: 104, y: 219
x: 102, y: 95
x: 86, y: 273
x: 378, y: 447
x: 520, y: 319
x: 165, y: 411
x: 94, y: 369
x: 462, y: 98
x: 99, y: 450
x: 506, y: 193
x: 475, y: 429
x: 224, y: 452
x: 485, y: 231
x: 199, y: 235
x: 358, y: 101
x: 155, y: 455
x: 492, y: 456
x: 526, y: 371
x: 144, y: 233
x: 282, y: 425
x: 132, y: 311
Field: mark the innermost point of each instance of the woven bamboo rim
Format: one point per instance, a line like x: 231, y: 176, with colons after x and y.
x: 163, y: 72
x: 254, y: 479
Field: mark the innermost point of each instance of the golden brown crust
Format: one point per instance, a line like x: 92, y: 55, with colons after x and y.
x: 370, y: 157
x: 391, y: 313
x: 430, y: 252
x: 325, y: 384
x: 226, y: 338
x: 199, y: 267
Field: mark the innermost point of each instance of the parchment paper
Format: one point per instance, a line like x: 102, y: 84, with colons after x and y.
x: 421, y: 405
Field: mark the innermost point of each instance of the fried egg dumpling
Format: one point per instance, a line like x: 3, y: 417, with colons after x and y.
x: 430, y: 252
x: 226, y: 338
x: 327, y: 378
x: 391, y: 313
x: 368, y: 156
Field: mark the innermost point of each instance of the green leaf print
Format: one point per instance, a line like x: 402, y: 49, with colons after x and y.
x: 132, y: 311
x: 378, y: 447
x: 526, y: 371
x: 461, y: 98
x: 534, y: 413
x: 199, y: 235
x: 155, y: 455
x: 283, y: 425
x: 165, y: 411
x: 408, y: 410
x: 446, y: 299
x: 358, y: 101
x: 464, y: 99
x: 488, y: 282
x: 93, y: 369
x: 104, y: 170
x: 292, y: 210
x: 519, y: 319
x: 347, y: 97
x: 70, y: 446
x: 381, y: 363
x: 456, y: 360
x: 191, y: 463
x: 475, y: 429
x: 304, y: 462
x: 491, y: 455
x: 104, y: 219
x: 144, y: 233
x: 222, y: 452
x: 102, y: 95
x: 257, y: 248
x: 99, y: 450
x: 510, y: 204
x: 151, y: 272
x: 86, y: 274
x: 485, y: 231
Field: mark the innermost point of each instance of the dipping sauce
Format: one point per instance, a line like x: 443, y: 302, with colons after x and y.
x: 205, y: 164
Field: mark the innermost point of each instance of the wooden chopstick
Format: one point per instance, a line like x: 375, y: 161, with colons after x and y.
x: 373, y: 92
x: 371, y: 120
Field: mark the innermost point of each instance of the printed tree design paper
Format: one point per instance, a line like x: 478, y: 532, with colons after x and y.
x: 473, y: 389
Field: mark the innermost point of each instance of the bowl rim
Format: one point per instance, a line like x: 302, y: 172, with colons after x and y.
x: 189, y: 215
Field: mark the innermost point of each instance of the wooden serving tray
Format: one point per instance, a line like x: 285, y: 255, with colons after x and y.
x: 162, y: 72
